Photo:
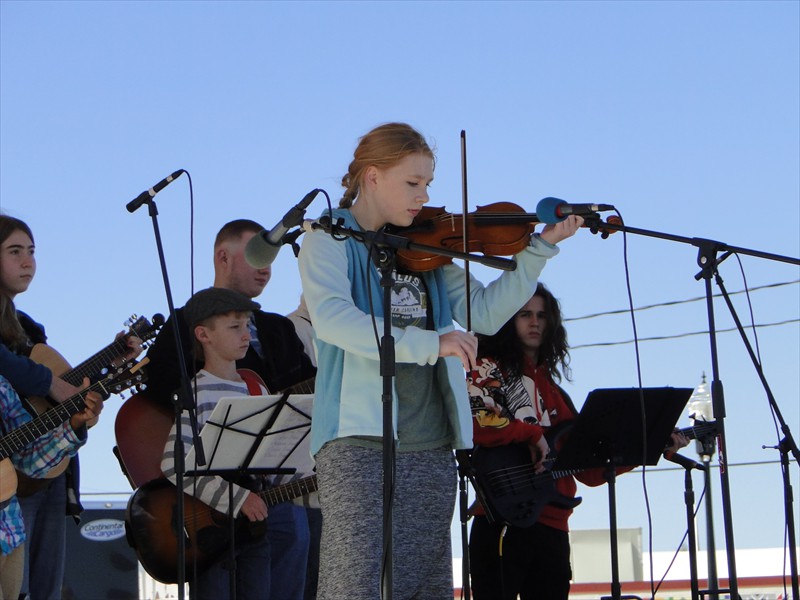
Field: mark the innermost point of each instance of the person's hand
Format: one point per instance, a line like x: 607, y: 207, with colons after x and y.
x: 254, y: 507
x: 556, y: 232
x: 60, y: 390
x: 461, y: 344
x: 678, y: 441
x: 539, y: 452
x: 88, y: 416
x: 134, y: 349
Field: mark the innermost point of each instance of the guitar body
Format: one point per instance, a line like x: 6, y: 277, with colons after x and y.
x: 50, y: 358
x: 152, y: 527
x: 141, y: 429
x: 8, y: 479
x: 515, y: 494
x: 152, y: 530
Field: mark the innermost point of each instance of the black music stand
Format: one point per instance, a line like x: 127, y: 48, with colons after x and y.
x: 624, y: 427
x: 255, y: 429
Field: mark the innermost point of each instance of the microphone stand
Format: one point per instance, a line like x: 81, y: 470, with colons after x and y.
x: 688, y: 496
x: 182, y: 400
x: 386, y: 246
x: 788, y: 496
x: 705, y: 448
x: 786, y: 446
x: 708, y: 261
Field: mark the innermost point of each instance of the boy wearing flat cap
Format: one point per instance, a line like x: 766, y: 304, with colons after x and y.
x: 218, y: 320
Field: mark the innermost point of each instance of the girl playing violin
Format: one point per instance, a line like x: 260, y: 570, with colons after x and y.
x: 387, y: 183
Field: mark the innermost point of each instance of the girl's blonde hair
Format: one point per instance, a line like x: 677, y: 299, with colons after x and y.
x: 383, y: 147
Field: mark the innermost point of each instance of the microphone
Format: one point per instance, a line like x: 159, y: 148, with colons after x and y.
x: 263, y: 248
x: 134, y: 204
x: 324, y: 222
x: 685, y: 462
x: 554, y: 210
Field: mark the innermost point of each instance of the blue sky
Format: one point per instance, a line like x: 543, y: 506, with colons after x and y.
x: 684, y: 115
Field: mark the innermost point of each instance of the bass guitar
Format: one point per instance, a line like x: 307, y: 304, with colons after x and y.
x: 98, y: 364
x: 152, y: 528
x: 509, y: 488
x: 513, y: 493
x: 115, y: 382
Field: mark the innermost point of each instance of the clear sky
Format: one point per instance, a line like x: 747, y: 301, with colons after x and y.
x: 684, y: 115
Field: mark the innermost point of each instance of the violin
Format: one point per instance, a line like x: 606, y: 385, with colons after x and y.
x: 497, y: 229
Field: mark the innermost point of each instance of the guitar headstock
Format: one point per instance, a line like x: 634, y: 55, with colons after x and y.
x: 119, y: 379
x: 144, y: 329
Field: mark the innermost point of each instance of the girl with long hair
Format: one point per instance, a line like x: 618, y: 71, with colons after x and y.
x: 387, y: 184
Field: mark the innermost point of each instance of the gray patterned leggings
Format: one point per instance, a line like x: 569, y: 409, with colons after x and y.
x: 351, y: 497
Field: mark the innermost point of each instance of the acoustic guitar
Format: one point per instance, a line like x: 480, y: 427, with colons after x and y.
x: 115, y: 382
x: 152, y: 528
x: 142, y: 427
x: 96, y: 365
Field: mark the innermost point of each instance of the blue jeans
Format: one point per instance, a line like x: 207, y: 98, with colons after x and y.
x: 271, y: 568
x: 45, y: 546
x: 314, y: 516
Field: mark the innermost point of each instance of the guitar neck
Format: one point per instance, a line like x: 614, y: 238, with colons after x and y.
x: 47, y: 421
x: 105, y: 358
x: 97, y: 362
x: 704, y: 429
x: 289, y: 491
x: 53, y: 417
x: 304, y: 387
x: 560, y: 474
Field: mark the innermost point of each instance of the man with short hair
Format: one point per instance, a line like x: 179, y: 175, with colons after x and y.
x: 276, y: 354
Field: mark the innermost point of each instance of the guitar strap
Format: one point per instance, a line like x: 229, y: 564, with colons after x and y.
x: 255, y: 384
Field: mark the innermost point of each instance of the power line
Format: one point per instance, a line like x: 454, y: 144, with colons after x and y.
x: 680, y: 335
x: 677, y: 302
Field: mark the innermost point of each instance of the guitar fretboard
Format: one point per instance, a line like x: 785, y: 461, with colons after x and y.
x: 304, y: 387
x: 58, y: 414
x: 47, y: 421
x: 98, y: 362
x: 289, y: 491
x: 117, y: 349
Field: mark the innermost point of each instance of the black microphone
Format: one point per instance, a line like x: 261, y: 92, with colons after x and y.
x: 685, y: 462
x: 263, y: 248
x: 324, y: 223
x: 134, y: 204
x: 554, y: 210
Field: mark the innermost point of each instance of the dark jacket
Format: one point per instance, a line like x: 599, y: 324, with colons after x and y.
x: 284, y: 364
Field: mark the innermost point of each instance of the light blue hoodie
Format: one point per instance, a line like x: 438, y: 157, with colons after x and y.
x: 347, y: 399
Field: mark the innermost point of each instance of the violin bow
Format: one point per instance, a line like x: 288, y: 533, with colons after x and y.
x: 465, y: 223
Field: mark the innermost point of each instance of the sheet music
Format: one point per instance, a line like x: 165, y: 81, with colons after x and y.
x: 237, y: 421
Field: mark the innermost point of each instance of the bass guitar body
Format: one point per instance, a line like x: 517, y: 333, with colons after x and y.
x: 510, y: 488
